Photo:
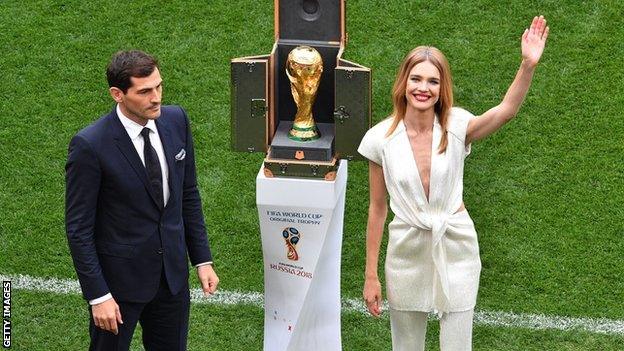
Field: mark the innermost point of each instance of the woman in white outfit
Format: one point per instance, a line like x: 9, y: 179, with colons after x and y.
x: 417, y: 157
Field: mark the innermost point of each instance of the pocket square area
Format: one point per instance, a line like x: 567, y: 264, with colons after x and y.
x: 181, y: 155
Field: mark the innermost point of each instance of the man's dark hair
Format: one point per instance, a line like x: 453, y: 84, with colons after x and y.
x: 127, y: 64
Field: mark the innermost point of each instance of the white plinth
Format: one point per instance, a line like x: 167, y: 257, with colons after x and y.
x: 301, y: 283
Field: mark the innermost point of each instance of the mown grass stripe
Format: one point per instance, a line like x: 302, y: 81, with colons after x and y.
x: 224, y: 297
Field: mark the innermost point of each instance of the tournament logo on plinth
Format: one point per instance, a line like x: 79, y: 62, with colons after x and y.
x: 287, y: 263
x: 293, y: 258
x: 292, y: 236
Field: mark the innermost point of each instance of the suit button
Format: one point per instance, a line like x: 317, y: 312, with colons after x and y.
x: 159, y: 251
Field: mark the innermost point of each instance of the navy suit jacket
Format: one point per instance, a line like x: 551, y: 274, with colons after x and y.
x: 119, y: 237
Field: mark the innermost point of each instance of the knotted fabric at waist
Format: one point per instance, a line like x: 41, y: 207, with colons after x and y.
x: 438, y: 224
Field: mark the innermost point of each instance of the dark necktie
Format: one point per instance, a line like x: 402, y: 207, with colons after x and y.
x: 152, y: 165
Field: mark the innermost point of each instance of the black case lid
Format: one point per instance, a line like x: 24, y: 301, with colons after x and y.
x: 316, y: 20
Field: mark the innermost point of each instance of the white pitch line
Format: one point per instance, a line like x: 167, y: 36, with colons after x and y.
x: 222, y: 297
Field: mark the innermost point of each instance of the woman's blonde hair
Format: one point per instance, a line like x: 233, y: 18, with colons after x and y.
x: 444, y: 103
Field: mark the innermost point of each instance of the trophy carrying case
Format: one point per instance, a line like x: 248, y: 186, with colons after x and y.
x: 261, y: 96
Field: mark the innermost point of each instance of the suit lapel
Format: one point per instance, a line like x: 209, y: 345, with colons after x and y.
x: 124, y: 144
x: 166, y: 140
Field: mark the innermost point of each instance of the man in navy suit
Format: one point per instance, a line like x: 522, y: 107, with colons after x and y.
x: 134, y: 215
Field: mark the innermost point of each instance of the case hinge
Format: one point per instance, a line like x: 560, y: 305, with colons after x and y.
x: 258, y: 108
x: 341, y: 114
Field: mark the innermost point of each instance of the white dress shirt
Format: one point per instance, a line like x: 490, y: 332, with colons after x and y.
x: 134, y: 132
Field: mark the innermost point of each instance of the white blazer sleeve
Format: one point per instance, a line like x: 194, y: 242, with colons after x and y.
x: 458, y: 126
x: 370, y: 147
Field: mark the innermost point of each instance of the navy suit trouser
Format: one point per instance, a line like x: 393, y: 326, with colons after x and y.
x: 164, y: 321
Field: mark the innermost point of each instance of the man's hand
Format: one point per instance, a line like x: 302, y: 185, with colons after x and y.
x: 208, y: 279
x: 106, y: 315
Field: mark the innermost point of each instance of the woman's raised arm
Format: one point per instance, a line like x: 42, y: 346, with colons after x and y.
x: 532, y: 44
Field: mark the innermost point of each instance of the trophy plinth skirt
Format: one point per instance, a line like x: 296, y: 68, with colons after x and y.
x: 301, y: 223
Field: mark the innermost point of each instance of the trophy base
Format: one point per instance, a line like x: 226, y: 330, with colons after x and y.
x: 304, y: 134
x: 321, y: 149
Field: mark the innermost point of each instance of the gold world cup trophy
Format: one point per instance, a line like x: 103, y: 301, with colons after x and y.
x: 303, y: 68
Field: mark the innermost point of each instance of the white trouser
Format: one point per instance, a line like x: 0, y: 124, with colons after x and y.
x: 410, y: 327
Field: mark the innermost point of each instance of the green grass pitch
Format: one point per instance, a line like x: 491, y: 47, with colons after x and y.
x: 545, y: 192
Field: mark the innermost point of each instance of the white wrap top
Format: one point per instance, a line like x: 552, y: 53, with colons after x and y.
x: 432, y: 261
